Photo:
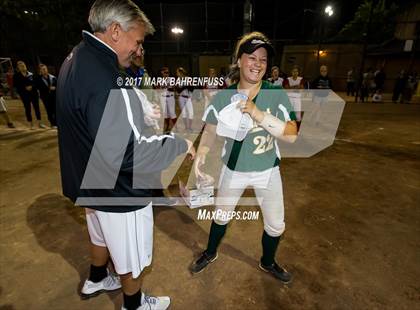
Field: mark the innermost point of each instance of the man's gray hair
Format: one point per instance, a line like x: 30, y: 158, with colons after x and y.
x: 125, y: 12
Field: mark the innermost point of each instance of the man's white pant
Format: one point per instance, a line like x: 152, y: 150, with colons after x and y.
x: 268, y: 190
x: 128, y: 237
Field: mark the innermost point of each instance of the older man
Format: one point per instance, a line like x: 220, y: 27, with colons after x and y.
x: 100, y: 127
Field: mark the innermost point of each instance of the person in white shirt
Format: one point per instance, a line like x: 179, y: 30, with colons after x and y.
x: 294, y: 83
x: 185, y: 100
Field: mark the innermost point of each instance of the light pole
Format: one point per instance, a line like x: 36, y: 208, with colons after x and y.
x: 328, y: 11
x: 366, y: 35
x: 177, y: 31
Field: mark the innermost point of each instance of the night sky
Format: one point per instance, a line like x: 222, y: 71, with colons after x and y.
x: 52, y: 33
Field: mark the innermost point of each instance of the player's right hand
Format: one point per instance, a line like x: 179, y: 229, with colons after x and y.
x: 200, y: 160
x: 203, y: 179
x: 191, y: 149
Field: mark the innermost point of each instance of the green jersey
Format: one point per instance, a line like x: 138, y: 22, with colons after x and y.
x: 258, y: 151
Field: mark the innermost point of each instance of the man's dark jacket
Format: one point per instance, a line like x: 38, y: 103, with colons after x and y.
x: 100, y: 123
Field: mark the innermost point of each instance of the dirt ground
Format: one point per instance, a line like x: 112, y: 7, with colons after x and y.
x: 352, y: 239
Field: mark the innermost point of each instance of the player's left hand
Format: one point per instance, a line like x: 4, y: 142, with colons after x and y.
x: 250, y: 107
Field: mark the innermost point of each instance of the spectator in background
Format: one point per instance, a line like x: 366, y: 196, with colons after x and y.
x: 46, y: 84
x: 167, y: 102
x: 24, y: 82
x: 211, y: 89
x: 294, y: 83
x: 137, y: 70
x: 275, y: 78
x: 367, y: 84
x: 3, y: 112
x: 9, y: 80
x: 350, y: 81
x: 379, y: 79
x: 399, y: 86
x: 377, y: 96
x: 410, y: 87
x: 185, y: 100
x: 322, y: 84
x: 323, y: 81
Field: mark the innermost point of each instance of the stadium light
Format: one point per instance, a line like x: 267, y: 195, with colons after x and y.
x: 177, y: 30
x: 329, y: 10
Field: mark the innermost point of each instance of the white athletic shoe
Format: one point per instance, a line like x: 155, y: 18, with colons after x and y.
x: 92, y: 289
x: 153, y: 303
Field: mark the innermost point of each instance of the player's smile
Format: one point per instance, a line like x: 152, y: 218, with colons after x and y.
x: 257, y: 72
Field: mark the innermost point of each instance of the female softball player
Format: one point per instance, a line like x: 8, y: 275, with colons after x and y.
x: 295, y: 82
x: 167, y: 102
x: 253, y: 161
x: 185, y: 100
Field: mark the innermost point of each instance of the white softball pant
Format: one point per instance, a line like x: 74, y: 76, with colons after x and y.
x: 268, y: 190
x: 296, y: 102
x: 186, y: 108
x: 167, y: 101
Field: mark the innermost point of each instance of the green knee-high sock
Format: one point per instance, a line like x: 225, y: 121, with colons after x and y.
x: 216, y: 234
x: 269, y: 245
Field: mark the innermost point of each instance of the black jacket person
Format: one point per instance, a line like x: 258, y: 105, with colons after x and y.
x: 46, y: 84
x: 100, y: 132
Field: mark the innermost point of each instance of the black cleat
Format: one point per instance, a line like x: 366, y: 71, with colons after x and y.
x: 278, y: 272
x: 201, y: 263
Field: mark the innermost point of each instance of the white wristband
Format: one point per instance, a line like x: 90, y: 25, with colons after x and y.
x: 273, y: 125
